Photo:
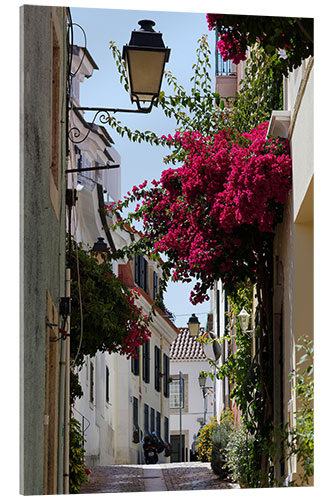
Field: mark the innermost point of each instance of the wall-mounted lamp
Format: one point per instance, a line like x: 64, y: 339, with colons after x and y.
x: 99, y: 246
x: 202, y: 380
x: 205, y: 391
x: 193, y: 325
x: 244, y: 318
x: 145, y: 57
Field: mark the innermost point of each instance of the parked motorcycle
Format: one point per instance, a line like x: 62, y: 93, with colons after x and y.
x: 149, y: 448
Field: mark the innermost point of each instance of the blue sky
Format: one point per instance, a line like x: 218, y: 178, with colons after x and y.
x: 181, y: 32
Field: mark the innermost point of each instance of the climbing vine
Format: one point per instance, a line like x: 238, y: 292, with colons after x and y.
x: 105, y: 315
x: 213, y: 214
x: 289, y: 38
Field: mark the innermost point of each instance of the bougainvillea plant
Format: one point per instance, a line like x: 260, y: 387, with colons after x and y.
x: 105, y: 313
x: 210, y: 216
x: 292, y: 38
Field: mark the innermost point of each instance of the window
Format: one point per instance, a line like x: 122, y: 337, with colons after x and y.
x: 152, y: 420
x: 141, y: 272
x: 223, y: 68
x: 78, y: 154
x: 166, y: 375
x: 146, y: 418
x: 176, y: 396
x: 135, y: 362
x: 146, y: 362
x: 155, y: 290
x: 158, y: 424
x: 91, y: 389
x: 157, y: 368
x: 135, y: 412
x: 166, y: 429
x: 175, y: 451
x: 107, y: 384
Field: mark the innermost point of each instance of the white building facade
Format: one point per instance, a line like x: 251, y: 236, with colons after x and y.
x: 123, y: 399
x: 188, y: 408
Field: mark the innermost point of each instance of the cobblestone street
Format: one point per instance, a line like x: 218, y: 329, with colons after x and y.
x: 159, y: 477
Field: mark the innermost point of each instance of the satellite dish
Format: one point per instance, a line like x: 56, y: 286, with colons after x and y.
x: 212, y: 349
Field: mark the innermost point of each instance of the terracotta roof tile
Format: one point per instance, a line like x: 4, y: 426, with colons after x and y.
x: 186, y: 347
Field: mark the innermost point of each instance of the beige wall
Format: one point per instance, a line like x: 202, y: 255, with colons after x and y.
x: 293, y: 250
x: 301, y: 128
x: 226, y: 85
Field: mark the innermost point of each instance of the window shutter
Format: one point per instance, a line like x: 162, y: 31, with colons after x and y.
x: 144, y: 273
x: 152, y: 420
x: 107, y: 384
x: 166, y: 369
x: 158, y: 424
x: 155, y: 285
x: 135, y: 362
x: 137, y: 269
x: 146, y: 362
x: 166, y: 429
x: 146, y: 419
x: 157, y: 369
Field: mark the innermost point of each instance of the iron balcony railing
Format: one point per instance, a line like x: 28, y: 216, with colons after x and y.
x: 223, y: 68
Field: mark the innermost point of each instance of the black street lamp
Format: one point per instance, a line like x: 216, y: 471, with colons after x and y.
x: 145, y: 57
x: 99, y: 246
x: 193, y: 325
x: 205, y: 391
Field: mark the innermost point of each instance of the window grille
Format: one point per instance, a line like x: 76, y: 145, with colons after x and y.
x: 174, y: 399
x: 222, y: 68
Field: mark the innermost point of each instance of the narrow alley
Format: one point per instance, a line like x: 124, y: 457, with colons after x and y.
x: 159, y: 477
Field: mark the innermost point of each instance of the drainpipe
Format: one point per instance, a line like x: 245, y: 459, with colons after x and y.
x: 67, y: 391
x: 61, y: 417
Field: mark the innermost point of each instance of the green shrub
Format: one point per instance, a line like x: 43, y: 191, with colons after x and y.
x: 301, y: 437
x: 240, y: 457
x: 78, y: 474
x: 220, y: 437
x: 204, y: 447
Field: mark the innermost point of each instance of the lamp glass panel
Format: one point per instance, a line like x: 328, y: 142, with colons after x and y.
x: 202, y: 381
x: 244, y: 320
x: 146, y: 70
x: 193, y: 329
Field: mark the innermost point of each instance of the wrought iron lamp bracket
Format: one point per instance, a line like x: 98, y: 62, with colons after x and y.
x: 104, y: 115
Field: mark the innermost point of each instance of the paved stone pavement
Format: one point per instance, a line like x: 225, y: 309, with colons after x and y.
x: 159, y: 477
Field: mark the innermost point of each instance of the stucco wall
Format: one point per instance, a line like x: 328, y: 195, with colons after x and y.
x: 302, y: 143
x: 42, y: 231
x: 193, y: 413
x: 293, y: 247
